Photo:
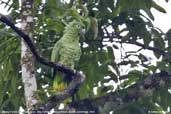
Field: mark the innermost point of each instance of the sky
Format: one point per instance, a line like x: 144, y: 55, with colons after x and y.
x: 162, y: 20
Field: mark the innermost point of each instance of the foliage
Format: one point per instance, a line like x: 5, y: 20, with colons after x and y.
x: 10, y: 76
x: 129, y: 24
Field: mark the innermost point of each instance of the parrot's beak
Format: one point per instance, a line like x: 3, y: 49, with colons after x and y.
x: 82, y: 33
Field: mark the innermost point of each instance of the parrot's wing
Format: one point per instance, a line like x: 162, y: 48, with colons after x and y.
x: 77, y: 58
x: 55, y: 55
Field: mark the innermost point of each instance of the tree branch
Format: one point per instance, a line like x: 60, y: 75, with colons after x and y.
x: 120, y: 99
x: 54, y: 100
x: 154, y: 49
x: 77, y: 77
x: 4, y: 2
x: 159, y: 51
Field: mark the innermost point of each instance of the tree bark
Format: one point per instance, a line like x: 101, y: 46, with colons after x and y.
x: 27, y: 59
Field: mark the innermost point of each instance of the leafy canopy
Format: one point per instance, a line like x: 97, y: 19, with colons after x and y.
x: 120, y: 23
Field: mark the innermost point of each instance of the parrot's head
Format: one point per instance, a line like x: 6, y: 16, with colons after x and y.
x: 78, y: 27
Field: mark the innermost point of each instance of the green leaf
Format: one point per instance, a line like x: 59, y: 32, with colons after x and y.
x: 160, y: 44
x: 122, y: 5
x: 143, y: 58
x: 147, y: 39
x: 158, y: 41
x: 95, y: 70
x: 165, y: 97
x: 132, y: 76
x: 157, y: 7
x: 149, y: 13
x: 74, y: 14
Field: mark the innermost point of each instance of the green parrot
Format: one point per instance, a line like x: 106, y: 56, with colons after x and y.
x: 67, y: 52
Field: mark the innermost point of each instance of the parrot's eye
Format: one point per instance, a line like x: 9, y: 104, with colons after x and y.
x: 78, y: 26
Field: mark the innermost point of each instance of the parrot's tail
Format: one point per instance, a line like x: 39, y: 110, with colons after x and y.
x: 60, y: 81
x: 59, y: 84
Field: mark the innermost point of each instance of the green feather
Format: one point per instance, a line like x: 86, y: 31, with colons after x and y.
x: 67, y: 50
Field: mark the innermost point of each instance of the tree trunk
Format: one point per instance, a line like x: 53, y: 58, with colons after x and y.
x: 27, y: 60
